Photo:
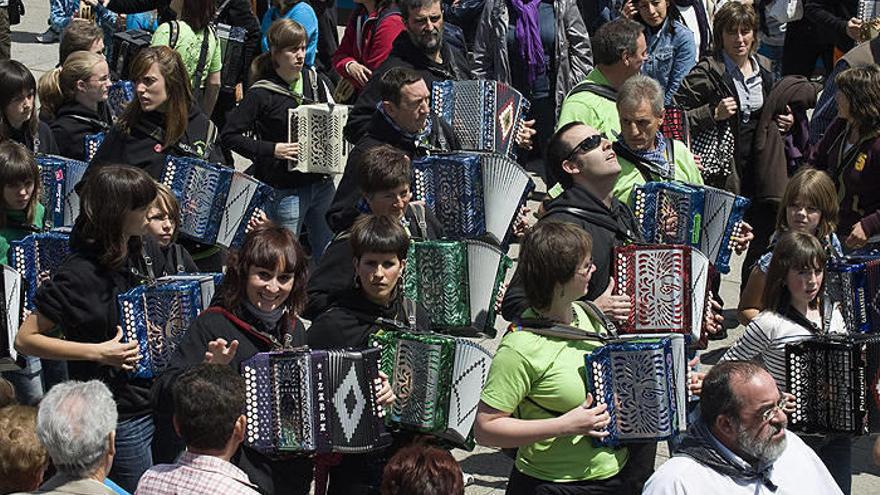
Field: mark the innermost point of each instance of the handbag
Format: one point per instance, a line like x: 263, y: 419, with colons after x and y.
x: 715, y: 147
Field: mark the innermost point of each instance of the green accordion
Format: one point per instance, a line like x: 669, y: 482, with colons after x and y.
x: 437, y: 380
x: 457, y: 282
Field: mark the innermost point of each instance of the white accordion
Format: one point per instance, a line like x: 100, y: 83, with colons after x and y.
x: 12, y: 305
x: 318, y: 130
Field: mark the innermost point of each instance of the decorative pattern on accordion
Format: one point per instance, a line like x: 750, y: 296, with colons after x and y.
x: 11, y: 306
x: 59, y: 176
x: 469, y: 374
x: 486, y: 115
x: 246, y: 196
x: 121, y: 93
x: 318, y: 130
x: 91, y: 143
x: 657, y: 201
x: 231, y: 40
x: 665, y: 283
x: 294, y: 388
x: 675, y: 124
x: 38, y: 254
x: 642, y: 383
x: 157, y: 317
x: 835, y: 384
x: 358, y: 420
x: 722, y: 221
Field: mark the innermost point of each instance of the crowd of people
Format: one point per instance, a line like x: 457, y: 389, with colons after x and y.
x: 774, y: 100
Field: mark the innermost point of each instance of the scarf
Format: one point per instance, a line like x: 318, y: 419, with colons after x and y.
x: 417, y: 137
x: 656, y: 158
x: 269, y: 319
x: 700, y: 445
x: 528, y: 36
x: 702, y: 23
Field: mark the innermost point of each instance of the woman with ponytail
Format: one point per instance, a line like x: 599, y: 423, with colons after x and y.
x: 73, y: 98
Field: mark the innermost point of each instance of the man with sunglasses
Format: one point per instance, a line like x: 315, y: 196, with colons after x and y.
x: 740, y: 444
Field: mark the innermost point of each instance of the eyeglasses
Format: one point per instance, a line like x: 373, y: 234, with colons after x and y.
x: 769, y: 413
x: 587, y: 145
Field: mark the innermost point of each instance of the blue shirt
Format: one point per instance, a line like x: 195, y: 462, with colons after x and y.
x: 305, y: 16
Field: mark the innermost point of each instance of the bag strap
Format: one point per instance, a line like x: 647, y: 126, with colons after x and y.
x: 221, y: 8
x: 203, y: 61
x: 602, y: 90
x: 418, y: 210
x: 88, y: 120
x: 173, y: 35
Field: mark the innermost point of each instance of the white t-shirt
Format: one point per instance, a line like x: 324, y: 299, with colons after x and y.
x: 689, y: 16
x: 798, y: 471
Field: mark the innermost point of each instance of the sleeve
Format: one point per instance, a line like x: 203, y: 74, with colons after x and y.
x: 574, y: 110
x: 190, y: 352
x: 683, y: 61
x: 669, y: 479
x: 72, y: 298
x: 753, y: 343
x: 826, y: 108
x: 106, y: 17
x: 342, y: 209
x: 484, y: 44
x: 48, y: 144
x: 345, y: 53
x: 240, y: 121
x: 264, y: 27
x: 334, y: 274
x: 162, y: 36
x: 579, y: 46
x: 820, y: 13
x: 514, y: 302
x: 695, y: 96
x: 215, y: 64
x: 382, y: 40
x: 59, y: 18
x: 871, y: 223
x: 509, y: 381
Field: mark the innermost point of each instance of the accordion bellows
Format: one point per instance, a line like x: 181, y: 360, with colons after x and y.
x: 457, y: 282
x: 485, y: 115
x: 157, y: 316
x: 59, y: 177
x: 37, y: 256
x: 318, y: 130
x: 707, y: 218
x: 216, y: 202
x: 667, y: 284
x: 11, y: 306
x: 472, y: 194
x: 305, y: 402
x: 437, y: 380
x: 854, y: 285
x: 643, y: 382
x: 836, y: 384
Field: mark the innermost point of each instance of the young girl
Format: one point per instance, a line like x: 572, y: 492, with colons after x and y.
x: 18, y: 115
x: 793, y: 312
x: 283, y: 82
x: 79, y: 302
x: 809, y: 205
x: 163, y: 219
x: 20, y: 210
x: 73, y: 99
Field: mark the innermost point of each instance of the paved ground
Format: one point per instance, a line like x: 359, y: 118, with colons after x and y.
x: 489, y: 467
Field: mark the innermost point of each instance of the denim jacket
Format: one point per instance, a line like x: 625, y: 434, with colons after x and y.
x: 670, y: 56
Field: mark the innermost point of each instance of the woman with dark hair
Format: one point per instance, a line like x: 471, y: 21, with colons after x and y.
x: 256, y: 310
x: 671, y: 48
x: 282, y: 82
x: 295, y: 10
x: 850, y: 153
x: 108, y: 257
x: 18, y: 113
x: 193, y: 37
x: 161, y: 120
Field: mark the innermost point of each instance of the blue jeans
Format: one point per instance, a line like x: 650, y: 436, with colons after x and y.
x: 307, y: 205
x: 36, y: 378
x: 836, y: 453
x: 134, y: 453
x: 774, y: 54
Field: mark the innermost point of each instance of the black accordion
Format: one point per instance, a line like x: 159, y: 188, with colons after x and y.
x: 11, y: 306
x: 308, y: 402
x: 126, y: 46
x: 836, y: 384
x: 231, y: 40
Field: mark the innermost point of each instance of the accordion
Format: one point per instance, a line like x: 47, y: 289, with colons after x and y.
x: 59, y: 177
x: 457, y: 282
x: 675, y: 124
x: 92, y: 142
x: 869, y: 13
x: 157, y: 316
x: 472, y: 194
x: 120, y: 94
x: 707, y: 218
x: 667, y: 285
x: 643, y: 382
x: 318, y: 130
x: 437, y: 380
x: 126, y: 46
x: 216, y: 202
x: 836, y: 384
x: 11, y: 306
x: 854, y: 285
x: 36, y: 257
x: 485, y: 115
x: 306, y: 402
x: 231, y: 40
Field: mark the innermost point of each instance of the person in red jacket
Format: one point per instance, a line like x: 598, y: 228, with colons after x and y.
x: 366, y: 43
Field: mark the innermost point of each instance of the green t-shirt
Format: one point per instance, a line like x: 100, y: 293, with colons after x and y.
x: 189, y: 46
x: 550, y: 372
x: 591, y: 109
x: 10, y: 234
x: 685, y: 171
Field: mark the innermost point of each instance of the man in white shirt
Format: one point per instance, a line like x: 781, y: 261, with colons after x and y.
x: 740, y: 444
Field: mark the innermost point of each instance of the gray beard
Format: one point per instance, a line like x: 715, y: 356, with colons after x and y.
x: 765, y: 452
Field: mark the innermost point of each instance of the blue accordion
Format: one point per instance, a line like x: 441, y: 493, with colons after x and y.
x: 92, y: 142
x: 305, y: 402
x: 157, y: 316
x: 642, y: 380
x: 706, y: 218
x: 472, y: 194
x: 853, y: 283
x: 59, y: 177
x: 37, y: 256
x: 11, y: 306
x: 486, y: 115
x: 121, y: 93
x: 216, y: 202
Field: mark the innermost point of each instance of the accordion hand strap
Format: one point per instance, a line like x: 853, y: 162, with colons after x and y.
x: 568, y: 332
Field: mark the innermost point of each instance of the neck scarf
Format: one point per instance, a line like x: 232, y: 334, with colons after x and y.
x: 416, y: 137
x: 656, y: 157
x: 269, y: 319
x: 528, y: 36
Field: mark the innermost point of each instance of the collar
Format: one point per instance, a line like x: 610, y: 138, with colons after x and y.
x: 63, y: 483
x: 658, y: 157
x: 213, y: 464
x: 415, y: 137
x: 734, y: 70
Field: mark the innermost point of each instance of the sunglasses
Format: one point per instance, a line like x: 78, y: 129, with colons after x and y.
x: 587, y: 145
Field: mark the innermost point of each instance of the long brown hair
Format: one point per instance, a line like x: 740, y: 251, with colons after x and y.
x: 267, y: 247
x: 17, y: 164
x: 861, y: 88
x: 793, y: 251
x: 811, y: 187
x: 177, y: 88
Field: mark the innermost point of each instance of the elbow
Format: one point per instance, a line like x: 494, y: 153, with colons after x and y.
x: 481, y: 436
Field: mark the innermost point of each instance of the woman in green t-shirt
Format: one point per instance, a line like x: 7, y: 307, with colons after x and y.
x: 535, y: 396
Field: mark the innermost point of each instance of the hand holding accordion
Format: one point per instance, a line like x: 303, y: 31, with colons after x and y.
x: 318, y: 130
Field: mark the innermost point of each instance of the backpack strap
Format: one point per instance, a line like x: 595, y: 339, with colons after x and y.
x: 418, y: 210
x: 602, y: 90
x: 278, y: 89
x: 173, y: 35
x: 203, y: 61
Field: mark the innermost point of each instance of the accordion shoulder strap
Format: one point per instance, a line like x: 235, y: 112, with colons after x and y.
x: 569, y: 332
x: 276, y: 88
x: 418, y: 210
x: 582, y: 214
x: 602, y: 90
x: 221, y: 8
x: 88, y: 120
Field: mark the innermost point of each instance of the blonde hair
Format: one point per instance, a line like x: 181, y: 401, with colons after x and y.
x: 811, y: 187
x: 59, y: 85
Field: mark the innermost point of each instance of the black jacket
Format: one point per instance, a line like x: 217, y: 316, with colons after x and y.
x: 335, y: 272
x: 830, y: 18
x: 352, y: 319
x: 404, y: 53
x: 73, y: 122
x: 343, y: 211
x: 609, y: 227
x: 46, y: 144
x: 81, y: 298
x: 139, y: 149
x: 176, y: 260
x: 264, y: 113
